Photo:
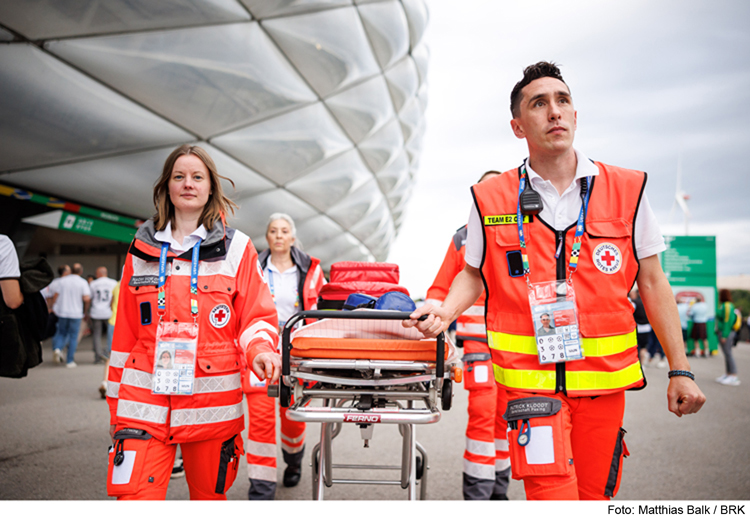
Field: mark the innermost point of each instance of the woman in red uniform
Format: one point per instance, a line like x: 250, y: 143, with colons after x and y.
x: 192, y: 286
x: 295, y: 279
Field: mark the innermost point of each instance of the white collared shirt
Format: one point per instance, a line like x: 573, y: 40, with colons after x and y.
x: 188, y: 241
x: 560, y: 212
x: 284, y: 289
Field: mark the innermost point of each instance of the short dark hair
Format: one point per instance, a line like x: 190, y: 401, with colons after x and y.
x: 485, y: 175
x: 532, y: 73
x: 725, y: 296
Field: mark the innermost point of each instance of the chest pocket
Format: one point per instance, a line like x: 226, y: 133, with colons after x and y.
x: 609, y: 229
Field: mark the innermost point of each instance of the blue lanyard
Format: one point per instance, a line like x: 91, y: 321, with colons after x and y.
x: 194, y: 267
x: 580, y: 226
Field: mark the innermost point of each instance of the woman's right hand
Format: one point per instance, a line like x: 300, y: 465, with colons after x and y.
x: 112, y: 432
x: 267, y: 366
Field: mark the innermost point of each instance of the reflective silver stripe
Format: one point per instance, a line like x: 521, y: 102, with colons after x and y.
x: 315, y: 277
x: 250, y: 333
x: 189, y: 417
x: 474, y: 328
x: 261, y: 449
x: 479, y: 471
x: 293, y: 441
x: 218, y: 384
x: 435, y: 302
x: 292, y: 449
x: 113, y: 389
x: 501, y: 445
x: 480, y: 448
x: 474, y: 310
x: 118, y: 359
x: 139, y: 379
x: 261, y: 472
x: 142, y: 412
x: 502, y: 464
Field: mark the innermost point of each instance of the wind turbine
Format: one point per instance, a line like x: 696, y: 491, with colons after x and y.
x: 680, y: 196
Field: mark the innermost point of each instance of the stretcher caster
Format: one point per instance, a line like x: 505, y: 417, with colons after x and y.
x: 446, y: 397
x: 273, y: 390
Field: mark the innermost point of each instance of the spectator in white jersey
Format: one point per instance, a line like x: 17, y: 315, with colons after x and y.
x: 70, y: 301
x: 101, y: 312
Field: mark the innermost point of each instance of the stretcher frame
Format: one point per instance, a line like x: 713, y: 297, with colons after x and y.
x: 383, y: 392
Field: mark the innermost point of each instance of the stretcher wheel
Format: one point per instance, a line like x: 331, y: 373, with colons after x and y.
x: 285, y: 395
x: 447, y: 395
x: 420, y: 467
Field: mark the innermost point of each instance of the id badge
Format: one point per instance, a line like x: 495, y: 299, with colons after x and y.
x: 175, y: 358
x: 555, y: 319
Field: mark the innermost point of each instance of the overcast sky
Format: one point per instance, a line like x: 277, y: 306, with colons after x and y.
x: 650, y: 80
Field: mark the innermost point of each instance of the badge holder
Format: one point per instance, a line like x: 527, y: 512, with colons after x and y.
x: 555, y: 319
x: 175, y: 358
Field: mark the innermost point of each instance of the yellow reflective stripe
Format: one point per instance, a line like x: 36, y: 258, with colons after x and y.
x: 585, y: 380
x: 592, y: 347
x: 574, y: 380
x: 525, y: 379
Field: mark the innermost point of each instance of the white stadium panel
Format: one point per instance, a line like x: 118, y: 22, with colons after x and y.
x: 52, y: 113
x: 274, y: 8
x: 357, y: 205
x: 410, y: 117
x: 252, y: 215
x: 313, y: 108
x: 329, y: 48
x: 382, y: 148
x: 328, y: 184
x: 403, y: 82
x: 48, y: 19
x: 283, y: 147
x: 388, y: 30
x: 208, y: 80
x: 362, y: 108
x: 392, y: 175
x: 125, y: 182
x: 421, y: 56
x: 416, y: 13
x: 317, y: 230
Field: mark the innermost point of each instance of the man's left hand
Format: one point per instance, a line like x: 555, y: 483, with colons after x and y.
x: 684, y: 396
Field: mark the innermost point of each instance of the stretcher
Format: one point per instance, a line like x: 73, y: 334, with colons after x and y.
x: 367, y: 369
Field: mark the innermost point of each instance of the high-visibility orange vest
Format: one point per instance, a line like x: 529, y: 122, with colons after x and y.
x: 605, y: 314
x: 470, y: 324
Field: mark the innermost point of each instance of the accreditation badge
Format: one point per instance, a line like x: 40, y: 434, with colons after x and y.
x: 175, y: 358
x: 555, y: 320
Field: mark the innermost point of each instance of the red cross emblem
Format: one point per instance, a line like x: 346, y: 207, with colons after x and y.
x: 220, y: 315
x: 608, y: 258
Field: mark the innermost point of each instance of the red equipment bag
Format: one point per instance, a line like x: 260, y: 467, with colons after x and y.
x: 346, y: 271
x: 353, y: 277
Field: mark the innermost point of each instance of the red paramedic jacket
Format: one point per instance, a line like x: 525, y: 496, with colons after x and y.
x: 237, y: 321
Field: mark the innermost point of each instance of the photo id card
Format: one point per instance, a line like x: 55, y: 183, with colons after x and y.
x: 175, y: 359
x: 555, y: 320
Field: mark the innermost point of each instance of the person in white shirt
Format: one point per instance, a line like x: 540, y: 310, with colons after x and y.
x: 101, y: 312
x: 10, y: 274
x: 71, y: 296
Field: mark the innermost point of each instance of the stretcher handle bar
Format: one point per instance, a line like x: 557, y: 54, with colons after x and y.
x: 353, y: 315
x: 369, y: 467
x: 337, y: 393
x: 364, y: 482
x: 333, y: 415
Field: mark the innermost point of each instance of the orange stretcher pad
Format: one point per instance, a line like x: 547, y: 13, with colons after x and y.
x: 366, y: 349
x: 345, y: 339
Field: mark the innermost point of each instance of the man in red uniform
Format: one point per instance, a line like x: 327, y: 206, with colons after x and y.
x: 486, y: 458
x: 566, y: 236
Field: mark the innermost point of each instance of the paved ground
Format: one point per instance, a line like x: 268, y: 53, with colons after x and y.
x: 54, y: 440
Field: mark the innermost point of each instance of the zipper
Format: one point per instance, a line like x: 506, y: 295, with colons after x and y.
x: 561, y: 269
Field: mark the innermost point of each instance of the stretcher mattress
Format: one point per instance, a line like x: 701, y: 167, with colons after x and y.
x: 365, y: 340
